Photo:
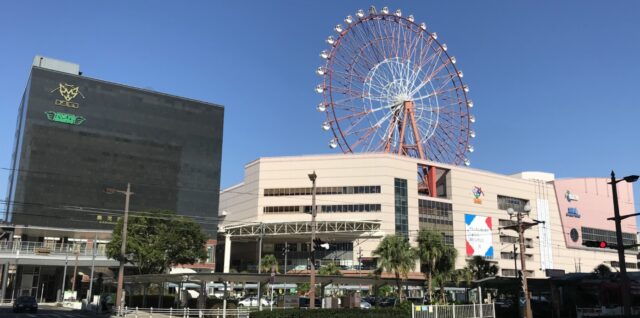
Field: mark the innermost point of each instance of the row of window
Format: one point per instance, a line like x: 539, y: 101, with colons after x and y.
x: 504, y: 222
x: 507, y: 239
x: 509, y: 255
x: 512, y: 272
x: 321, y: 191
x: 591, y: 234
x: 436, y: 221
x: 434, y: 208
x: 629, y: 265
x: 505, y: 202
x: 340, y: 208
x: 304, y: 247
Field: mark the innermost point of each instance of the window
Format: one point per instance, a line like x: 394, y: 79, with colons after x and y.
x: 505, y: 202
x: 591, y: 234
x: 401, y: 207
x: 437, y: 216
x: 322, y: 191
x: 324, y: 208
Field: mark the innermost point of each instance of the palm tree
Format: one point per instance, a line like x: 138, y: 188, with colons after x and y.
x: 445, y: 268
x: 481, y: 268
x: 462, y: 275
x: 269, y: 262
x: 436, y: 258
x: 330, y: 269
x: 395, y: 255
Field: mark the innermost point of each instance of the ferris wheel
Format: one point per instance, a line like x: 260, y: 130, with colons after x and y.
x: 390, y: 86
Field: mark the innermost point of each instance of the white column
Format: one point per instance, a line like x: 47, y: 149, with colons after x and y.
x: 227, y: 253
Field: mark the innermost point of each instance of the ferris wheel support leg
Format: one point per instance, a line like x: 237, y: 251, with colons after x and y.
x: 432, y: 181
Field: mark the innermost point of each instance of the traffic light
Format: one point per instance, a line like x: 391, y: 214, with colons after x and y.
x: 598, y: 244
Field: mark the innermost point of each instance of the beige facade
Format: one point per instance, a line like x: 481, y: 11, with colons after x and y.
x: 273, y: 191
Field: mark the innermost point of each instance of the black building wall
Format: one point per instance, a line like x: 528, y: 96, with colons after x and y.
x: 168, y: 148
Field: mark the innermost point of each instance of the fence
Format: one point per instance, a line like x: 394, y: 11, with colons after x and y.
x: 71, y: 249
x: 454, y: 311
x: 184, y: 313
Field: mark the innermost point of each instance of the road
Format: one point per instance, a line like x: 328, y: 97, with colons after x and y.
x: 48, y: 311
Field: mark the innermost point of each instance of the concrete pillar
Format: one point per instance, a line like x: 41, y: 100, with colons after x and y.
x: 202, y: 299
x: 5, y: 280
x: 227, y: 253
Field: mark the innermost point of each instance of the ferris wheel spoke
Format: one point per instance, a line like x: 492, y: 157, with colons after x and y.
x: 379, y: 63
x: 430, y: 77
x: 363, y: 113
x: 364, y: 34
x: 441, y: 90
x: 364, y: 137
x: 428, y: 108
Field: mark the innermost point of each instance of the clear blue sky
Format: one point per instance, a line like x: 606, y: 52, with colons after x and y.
x: 554, y: 82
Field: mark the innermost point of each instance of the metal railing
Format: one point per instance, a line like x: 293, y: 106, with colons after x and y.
x: 454, y: 311
x: 183, y: 313
x: 47, y: 248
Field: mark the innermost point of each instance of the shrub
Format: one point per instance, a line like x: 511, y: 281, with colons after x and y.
x: 337, y: 313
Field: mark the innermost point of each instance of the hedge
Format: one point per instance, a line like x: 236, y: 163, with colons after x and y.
x: 337, y: 313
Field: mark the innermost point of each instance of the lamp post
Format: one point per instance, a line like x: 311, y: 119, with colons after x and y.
x: 312, y: 273
x: 127, y: 195
x: 521, y: 227
x: 626, y: 301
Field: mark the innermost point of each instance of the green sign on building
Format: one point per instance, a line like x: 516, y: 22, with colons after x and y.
x: 65, y: 118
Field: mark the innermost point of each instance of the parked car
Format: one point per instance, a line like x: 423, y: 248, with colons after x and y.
x: 365, y: 305
x: 253, y: 302
x: 387, y: 302
x: 25, y: 303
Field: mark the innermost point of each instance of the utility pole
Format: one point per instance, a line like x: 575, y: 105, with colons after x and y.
x: 64, y: 273
x: 260, y: 266
x: 75, y: 272
x: 523, y: 264
x: 93, y: 264
x: 521, y: 227
x: 515, y: 260
x: 625, y: 285
x: 123, y: 246
x: 312, y: 274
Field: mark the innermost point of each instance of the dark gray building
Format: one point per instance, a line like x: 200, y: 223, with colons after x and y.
x: 76, y: 135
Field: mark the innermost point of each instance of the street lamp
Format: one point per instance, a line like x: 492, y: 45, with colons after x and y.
x: 127, y: 195
x: 520, y: 227
x: 626, y: 302
x: 312, y: 273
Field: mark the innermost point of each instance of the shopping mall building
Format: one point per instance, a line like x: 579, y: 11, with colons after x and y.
x: 363, y: 197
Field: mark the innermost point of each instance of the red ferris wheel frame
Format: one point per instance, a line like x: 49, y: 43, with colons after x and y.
x: 386, y: 70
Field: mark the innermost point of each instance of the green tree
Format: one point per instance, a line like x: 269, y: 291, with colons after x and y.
x: 445, y: 269
x: 269, y: 261
x: 158, y: 240
x: 330, y: 269
x: 462, y: 275
x: 436, y: 258
x: 395, y: 255
x: 481, y: 268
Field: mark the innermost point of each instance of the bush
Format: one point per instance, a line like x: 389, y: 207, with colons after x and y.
x: 338, y: 313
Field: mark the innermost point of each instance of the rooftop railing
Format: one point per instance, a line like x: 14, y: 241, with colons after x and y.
x: 47, y: 248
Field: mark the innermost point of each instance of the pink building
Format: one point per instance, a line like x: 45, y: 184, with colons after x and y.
x: 586, y: 203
